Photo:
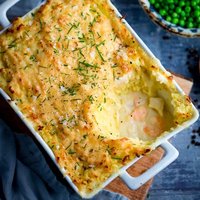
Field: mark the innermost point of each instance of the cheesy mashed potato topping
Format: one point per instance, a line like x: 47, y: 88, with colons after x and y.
x: 87, y: 87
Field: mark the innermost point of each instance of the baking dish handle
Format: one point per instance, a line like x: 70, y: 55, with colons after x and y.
x: 3, y: 12
x: 135, y: 182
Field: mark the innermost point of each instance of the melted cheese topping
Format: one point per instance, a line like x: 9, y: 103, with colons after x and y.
x: 87, y: 87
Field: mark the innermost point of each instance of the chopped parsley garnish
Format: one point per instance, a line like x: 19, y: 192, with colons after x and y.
x: 114, y: 66
x: 59, y: 39
x: 72, y: 91
x: 98, y: 51
x: 88, y: 65
x: 100, y: 107
x: 26, y: 67
x: 58, y: 28
x: 56, y: 51
x: 33, y: 58
x: 26, y: 32
x: 81, y: 53
x: 68, y: 146
x: 116, y: 158
x: 84, y: 69
x: 109, y: 150
x: 40, y: 23
x: 93, y: 21
x: 13, y: 44
x: 82, y: 38
x: 71, y: 151
x: 53, y: 132
x: 91, y: 99
x: 85, y: 136
x: 101, y: 137
x: 74, y: 25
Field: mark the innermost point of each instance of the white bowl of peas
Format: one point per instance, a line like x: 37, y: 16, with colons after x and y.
x: 181, y: 17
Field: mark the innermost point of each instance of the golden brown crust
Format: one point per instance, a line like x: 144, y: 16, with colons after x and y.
x: 61, y: 65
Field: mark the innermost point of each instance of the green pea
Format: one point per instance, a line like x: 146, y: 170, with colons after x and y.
x: 196, y: 13
x: 172, y: 6
x: 178, y: 10
x: 182, y: 23
x: 190, y: 19
x: 162, y: 12
x: 183, y: 13
x: 187, y: 9
x: 181, y: 3
x: 190, y: 25
x: 187, y: 3
x: 168, y: 18
x: 175, y: 15
x: 184, y: 18
x: 193, y: 3
x: 166, y: 7
x: 170, y: 1
x: 152, y: 1
x: 157, y: 5
x: 175, y: 20
x: 187, y: 14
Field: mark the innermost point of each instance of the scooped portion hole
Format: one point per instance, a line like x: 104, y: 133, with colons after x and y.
x: 143, y: 117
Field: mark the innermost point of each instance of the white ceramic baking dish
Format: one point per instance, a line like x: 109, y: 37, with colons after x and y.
x: 132, y: 182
